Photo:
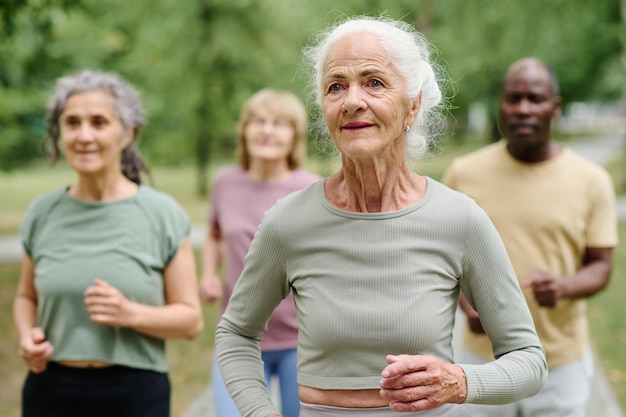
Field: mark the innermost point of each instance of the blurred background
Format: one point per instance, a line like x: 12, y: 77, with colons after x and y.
x: 196, y: 61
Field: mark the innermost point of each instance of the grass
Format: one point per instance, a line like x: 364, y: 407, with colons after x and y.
x: 617, y: 170
x: 12, y: 369
x: 607, y: 312
x: 190, y: 361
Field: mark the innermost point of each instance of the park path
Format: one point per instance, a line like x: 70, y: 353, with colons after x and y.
x: 603, y: 402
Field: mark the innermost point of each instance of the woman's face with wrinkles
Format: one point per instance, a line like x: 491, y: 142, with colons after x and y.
x: 364, y: 97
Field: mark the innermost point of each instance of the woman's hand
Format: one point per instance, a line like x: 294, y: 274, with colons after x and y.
x: 417, y: 383
x: 211, y: 288
x: 107, y: 305
x: 36, y: 350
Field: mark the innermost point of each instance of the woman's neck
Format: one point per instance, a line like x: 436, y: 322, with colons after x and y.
x: 269, y: 171
x: 102, y: 189
x: 374, y: 186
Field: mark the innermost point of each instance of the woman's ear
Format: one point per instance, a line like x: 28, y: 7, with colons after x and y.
x: 129, y: 137
x: 416, y: 104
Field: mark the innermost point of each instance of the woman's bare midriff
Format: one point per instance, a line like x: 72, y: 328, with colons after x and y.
x: 85, y: 364
x: 364, y: 398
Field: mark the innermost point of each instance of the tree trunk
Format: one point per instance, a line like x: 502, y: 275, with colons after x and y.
x: 203, y: 142
x: 623, y: 104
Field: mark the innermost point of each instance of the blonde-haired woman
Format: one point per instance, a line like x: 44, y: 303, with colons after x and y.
x: 271, y: 146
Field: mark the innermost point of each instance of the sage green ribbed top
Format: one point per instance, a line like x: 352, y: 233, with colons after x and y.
x: 371, y: 284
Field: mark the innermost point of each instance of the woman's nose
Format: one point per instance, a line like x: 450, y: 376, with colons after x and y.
x: 84, y: 132
x: 353, y: 101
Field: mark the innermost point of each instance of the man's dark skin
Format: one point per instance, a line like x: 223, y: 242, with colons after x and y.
x: 528, y: 104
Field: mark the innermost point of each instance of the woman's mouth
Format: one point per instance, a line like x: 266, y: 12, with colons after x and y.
x: 86, y: 153
x: 356, y: 125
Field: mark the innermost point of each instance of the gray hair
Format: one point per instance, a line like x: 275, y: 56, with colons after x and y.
x: 127, y: 105
x: 411, y: 54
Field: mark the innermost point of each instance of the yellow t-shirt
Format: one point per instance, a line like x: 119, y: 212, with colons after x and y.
x: 547, y: 214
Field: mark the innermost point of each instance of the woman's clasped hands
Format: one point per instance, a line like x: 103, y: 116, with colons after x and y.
x: 419, y: 382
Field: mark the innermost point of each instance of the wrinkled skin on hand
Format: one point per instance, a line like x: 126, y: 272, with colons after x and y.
x: 107, y: 305
x: 545, y: 286
x: 417, y: 383
x: 36, y: 351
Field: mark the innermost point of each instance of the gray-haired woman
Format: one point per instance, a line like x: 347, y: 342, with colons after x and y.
x: 108, y: 272
x: 376, y: 256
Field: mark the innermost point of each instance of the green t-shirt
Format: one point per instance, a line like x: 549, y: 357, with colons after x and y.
x: 127, y: 243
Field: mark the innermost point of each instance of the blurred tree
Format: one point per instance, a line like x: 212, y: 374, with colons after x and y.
x: 196, y: 62
x: 623, y: 37
x: 24, y: 27
x: 241, y: 49
x: 7, y: 15
x: 579, y: 39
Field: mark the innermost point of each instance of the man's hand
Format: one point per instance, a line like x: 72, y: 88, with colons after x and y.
x: 546, y: 288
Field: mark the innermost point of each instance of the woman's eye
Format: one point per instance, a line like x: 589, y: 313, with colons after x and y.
x: 71, y: 122
x: 98, y: 122
x: 376, y: 83
x: 334, y: 87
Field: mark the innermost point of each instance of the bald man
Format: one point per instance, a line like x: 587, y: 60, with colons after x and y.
x: 555, y: 212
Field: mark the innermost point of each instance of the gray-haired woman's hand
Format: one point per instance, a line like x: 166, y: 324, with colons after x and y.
x: 107, y: 305
x: 36, y: 350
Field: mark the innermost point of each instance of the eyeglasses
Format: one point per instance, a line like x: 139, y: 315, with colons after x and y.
x: 260, y: 122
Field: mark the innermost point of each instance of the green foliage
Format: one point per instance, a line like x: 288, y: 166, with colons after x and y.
x: 197, y: 61
x: 579, y: 40
x: 25, y: 67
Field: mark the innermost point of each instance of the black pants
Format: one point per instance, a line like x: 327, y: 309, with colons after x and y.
x: 115, y: 391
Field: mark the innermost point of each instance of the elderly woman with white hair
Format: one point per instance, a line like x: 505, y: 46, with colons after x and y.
x: 376, y: 256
